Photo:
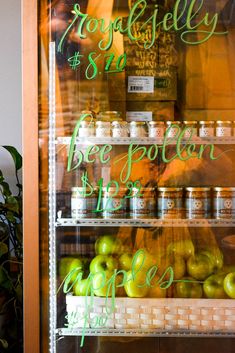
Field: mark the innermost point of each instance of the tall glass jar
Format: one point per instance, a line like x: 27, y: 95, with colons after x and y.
x: 114, y: 206
x: 143, y: 203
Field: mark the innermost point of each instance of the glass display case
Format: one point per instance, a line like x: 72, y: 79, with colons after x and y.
x: 137, y: 174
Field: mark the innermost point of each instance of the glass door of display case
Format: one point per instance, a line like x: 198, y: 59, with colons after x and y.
x: 136, y: 137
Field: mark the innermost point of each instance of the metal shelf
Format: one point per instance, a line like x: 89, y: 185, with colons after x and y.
x: 140, y: 333
x: 125, y: 222
x: 143, y: 141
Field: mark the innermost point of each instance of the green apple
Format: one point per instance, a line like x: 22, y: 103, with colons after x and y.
x: 229, y: 284
x: 200, y: 266
x: 214, y: 287
x: 188, y: 288
x: 108, y: 245
x: 183, y: 248
x: 178, y: 265
x: 83, y: 287
x: 101, y: 285
x: 70, y: 265
x: 216, y: 257
x: 125, y: 261
x: 103, y: 263
x: 136, y: 288
x: 142, y: 260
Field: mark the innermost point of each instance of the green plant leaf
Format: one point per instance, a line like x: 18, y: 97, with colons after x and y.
x: 5, y: 189
x: 15, y: 155
x: 4, y: 343
x: 12, y: 204
x: 3, y: 249
x: 5, y: 281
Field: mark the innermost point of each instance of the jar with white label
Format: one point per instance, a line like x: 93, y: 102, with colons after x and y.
x: 206, y: 128
x: 156, y: 129
x: 190, y: 128
x: 224, y: 129
x: 120, y: 129
x: 103, y: 129
x: 173, y: 128
x: 198, y: 202
x: 83, y: 203
x: 114, y: 204
x: 143, y: 203
x: 224, y: 202
x: 170, y: 202
x: 138, y: 129
x: 86, y: 129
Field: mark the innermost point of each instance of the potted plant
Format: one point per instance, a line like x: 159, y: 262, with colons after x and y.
x: 11, y: 262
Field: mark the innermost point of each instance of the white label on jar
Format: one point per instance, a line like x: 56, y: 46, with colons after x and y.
x: 156, y: 131
x: 139, y: 116
x: 173, y: 131
x: 140, y: 84
x: 120, y: 132
x: 190, y: 131
x: 206, y: 132
x: 86, y: 132
x: 223, y: 131
x: 103, y: 132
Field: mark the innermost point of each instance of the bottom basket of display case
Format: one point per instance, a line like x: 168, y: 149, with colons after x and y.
x: 199, y: 315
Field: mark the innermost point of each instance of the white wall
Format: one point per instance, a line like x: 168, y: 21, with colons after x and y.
x: 10, y: 82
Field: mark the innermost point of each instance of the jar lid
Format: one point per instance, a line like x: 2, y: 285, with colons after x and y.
x: 170, y: 189
x: 103, y: 123
x: 119, y: 123
x: 190, y: 122
x: 113, y: 189
x: 170, y: 122
x: 138, y: 123
x: 156, y: 123
x: 90, y: 124
x: 197, y: 188
x: 220, y: 188
x: 224, y: 122
x: 208, y: 122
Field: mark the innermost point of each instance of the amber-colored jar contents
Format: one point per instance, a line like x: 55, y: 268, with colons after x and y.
x: 198, y: 202
x: 170, y: 202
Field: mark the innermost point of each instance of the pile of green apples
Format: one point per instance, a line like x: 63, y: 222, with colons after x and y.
x: 141, y: 274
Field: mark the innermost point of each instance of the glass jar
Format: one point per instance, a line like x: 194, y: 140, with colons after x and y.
x: 138, y: 129
x: 114, y: 206
x: 170, y: 202
x: 143, y: 203
x: 109, y: 116
x: 156, y: 129
x: 206, y: 128
x: 198, y: 202
x: 83, y: 204
x: 103, y: 129
x: 224, y: 129
x: 86, y: 129
x: 223, y: 202
x: 190, y: 128
x: 173, y: 131
x: 120, y: 129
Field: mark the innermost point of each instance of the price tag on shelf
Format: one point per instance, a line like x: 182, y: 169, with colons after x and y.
x: 139, y: 116
x: 140, y: 84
